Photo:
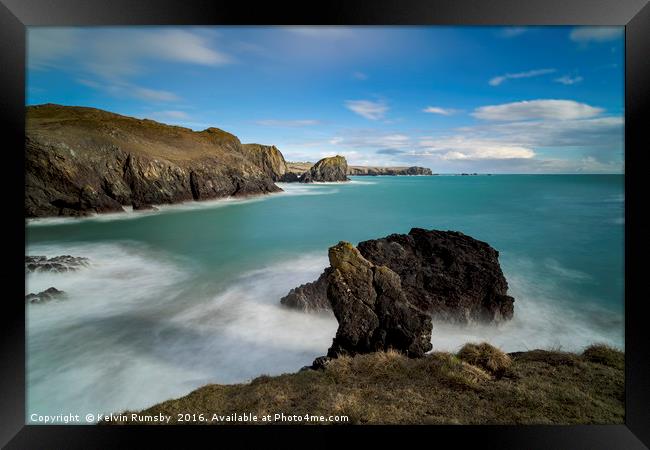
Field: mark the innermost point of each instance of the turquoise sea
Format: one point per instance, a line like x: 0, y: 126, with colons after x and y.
x: 189, y: 295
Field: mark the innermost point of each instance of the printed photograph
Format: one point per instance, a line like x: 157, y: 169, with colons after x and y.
x: 325, y: 225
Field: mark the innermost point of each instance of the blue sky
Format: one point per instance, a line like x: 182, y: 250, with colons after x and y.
x: 455, y: 99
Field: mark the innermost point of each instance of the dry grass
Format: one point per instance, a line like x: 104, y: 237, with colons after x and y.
x: 539, y: 387
x: 487, y: 357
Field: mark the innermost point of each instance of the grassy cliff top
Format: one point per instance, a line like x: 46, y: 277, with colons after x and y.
x: 89, y: 129
x: 479, y: 385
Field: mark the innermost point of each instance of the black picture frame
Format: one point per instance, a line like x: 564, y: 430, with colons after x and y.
x: 16, y: 15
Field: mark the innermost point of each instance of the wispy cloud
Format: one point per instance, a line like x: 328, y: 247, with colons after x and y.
x: 359, y: 76
x: 46, y: 46
x: 537, y: 109
x: 108, y: 59
x: 595, y: 34
x: 439, y: 110
x: 390, y: 151
x: 371, y: 110
x: 569, y: 80
x: 496, y: 81
x: 170, y: 114
x: 287, y: 123
x: 464, y: 148
x: 124, y: 89
x: 510, y: 32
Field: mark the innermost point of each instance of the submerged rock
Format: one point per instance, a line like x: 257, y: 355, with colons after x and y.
x: 330, y: 169
x: 447, y: 274
x: 372, y: 309
x: 63, y: 263
x: 45, y: 296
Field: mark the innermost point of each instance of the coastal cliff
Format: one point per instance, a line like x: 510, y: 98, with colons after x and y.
x: 298, y: 168
x: 80, y: 161
x: 375, y: 171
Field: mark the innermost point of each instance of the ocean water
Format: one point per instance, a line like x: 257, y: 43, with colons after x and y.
x: 190, y: 295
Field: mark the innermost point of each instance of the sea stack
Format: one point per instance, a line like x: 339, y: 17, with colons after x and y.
x: 332, y: 169
x: 447, y: 274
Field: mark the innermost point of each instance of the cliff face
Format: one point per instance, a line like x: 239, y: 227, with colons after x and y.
x: 268, y: 158
x: 330, y: 169
x: 84, y: 160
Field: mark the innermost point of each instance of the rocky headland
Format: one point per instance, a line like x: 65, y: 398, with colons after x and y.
x: 80, y: 161
x: 396, y: 171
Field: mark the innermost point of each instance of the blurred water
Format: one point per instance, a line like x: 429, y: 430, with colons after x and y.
x: 189, y: 295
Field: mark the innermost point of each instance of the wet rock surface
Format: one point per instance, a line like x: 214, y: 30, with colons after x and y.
x: 372, y: 310
x: 64, y: 263
x: 45, y: 296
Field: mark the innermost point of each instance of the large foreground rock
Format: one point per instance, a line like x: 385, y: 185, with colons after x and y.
x: 449, y: 275
x: 371, y: 307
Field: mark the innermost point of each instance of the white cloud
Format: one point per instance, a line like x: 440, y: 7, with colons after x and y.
x: 537, y: 109
x: 359, y: 76
x: 510, y: 32
x: 287, y: 123
x: 496, y: 81
x: 569, y: 80
x: 595, y: 34
x: 438, y: 110
x: 598, y: 132
x: 463, y: 148
x: 367, y: 108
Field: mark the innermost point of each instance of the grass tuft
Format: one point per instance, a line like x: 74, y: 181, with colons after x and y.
x: 486, y: 357
x: 606, y: 355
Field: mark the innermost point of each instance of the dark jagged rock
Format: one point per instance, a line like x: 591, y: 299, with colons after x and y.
x: 309, y: 296
x: 451, y: 276
x: 375, y: 171
x: 80, y: 161
x: 289, y: 177
x: 330, y: 169
x: 372, y: 310
x: 45, y: 296
x: 65, y: 263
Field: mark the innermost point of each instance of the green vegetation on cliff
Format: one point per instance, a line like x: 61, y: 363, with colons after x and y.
x: 479, y: 385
